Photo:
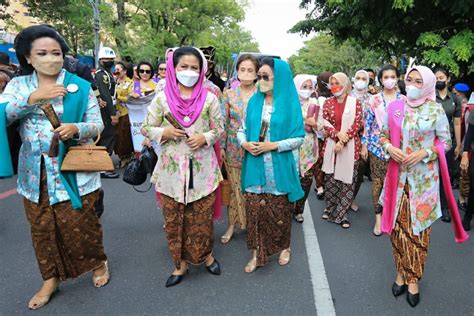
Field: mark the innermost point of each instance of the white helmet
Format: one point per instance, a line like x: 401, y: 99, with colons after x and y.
x: 106, y: 52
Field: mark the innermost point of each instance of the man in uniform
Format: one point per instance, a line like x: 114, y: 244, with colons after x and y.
x: 106, y: 86
x: 211, y: 75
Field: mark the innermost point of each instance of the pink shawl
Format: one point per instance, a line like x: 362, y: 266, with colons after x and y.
x: 395, y: 114
x: 342, y: 164
x: 179, y: 107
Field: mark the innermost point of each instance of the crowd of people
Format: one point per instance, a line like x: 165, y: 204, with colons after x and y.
x: 271, y: 132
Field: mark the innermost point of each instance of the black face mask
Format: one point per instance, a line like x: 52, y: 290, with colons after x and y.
x: 108, y: 64
x: 440, y: 85
x: 371, y: 82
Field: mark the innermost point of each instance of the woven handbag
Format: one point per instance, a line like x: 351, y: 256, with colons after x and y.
x: 87, y: 158
x: 225, y: 185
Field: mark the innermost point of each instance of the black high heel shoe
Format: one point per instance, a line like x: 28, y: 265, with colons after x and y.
x: 214, y: 268
x: 413, y: 299
x: 398, y: 290
x: 175, y: 279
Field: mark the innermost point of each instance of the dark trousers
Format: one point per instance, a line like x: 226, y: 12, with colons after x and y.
x: 470, y: 200
x: 107, y: 138
x: 450, y: 161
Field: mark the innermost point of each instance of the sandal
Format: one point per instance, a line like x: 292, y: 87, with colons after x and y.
x: 251, y: 266
x: 97, y: 279
x: 283, y: 260
x: 225, y: 239
x: 345, y: 224
x: 299, y: 218
x: 38, y: 301
x: 325, y: 214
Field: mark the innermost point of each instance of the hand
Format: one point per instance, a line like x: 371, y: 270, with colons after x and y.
x: 396, y: 154
x: 465, y: 161
x: 66, y: 131
x: 114, y: 119
x: 146, y: 142
x: 251, y: 147
x: 102, y: 103
x: 196, y: 141
x: 343, y: 137
x: 339, y: 147
x: 263, y: 147
x: 457, y: 151
x: 372, y: 90
x: 414, y: 158
x: 173, y: 133
x: 364, y: 153
x: 46, y: 93
x: 311, y: 121
x: 135, y: 95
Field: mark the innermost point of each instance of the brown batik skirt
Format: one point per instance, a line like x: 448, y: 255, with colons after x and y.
x: 123, y: 138
x: 236, y: 209
x: 268, y: 224
x: 464, y: 183
x: 378, y: 171
x: 318, y: 172
x: 339, y: 196
x: 189, y: 229
x: 67, y: 242
x: 306, y: 183
x: 409, y: 250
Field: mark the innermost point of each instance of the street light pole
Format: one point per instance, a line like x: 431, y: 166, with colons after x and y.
x: 95, y: 8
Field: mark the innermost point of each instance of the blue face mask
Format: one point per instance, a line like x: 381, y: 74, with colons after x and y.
x: 413, y: 93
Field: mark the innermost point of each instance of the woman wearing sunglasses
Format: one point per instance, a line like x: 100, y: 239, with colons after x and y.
x: 342, y: 123
x: 414, y: 135
x: 186, y: 120
x: 145, y: 85
x: 272, y: 128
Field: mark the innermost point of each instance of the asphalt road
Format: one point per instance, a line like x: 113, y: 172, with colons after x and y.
x: 357, y: 266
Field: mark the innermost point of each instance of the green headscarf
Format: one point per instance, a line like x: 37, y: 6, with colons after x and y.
x: 6, y: 167
x: 286, y: 122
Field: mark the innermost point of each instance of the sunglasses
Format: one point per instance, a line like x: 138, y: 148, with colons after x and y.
x: 144, y: 71
x: 162, y: 69
x: 264, y: 77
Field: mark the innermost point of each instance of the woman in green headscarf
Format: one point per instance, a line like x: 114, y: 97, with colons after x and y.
x: 271, y: 130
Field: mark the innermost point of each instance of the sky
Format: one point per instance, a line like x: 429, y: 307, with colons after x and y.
x: 269, y: 22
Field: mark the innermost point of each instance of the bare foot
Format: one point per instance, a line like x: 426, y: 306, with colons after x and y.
x: 228, y: 234
x: 400, y: 280
x: 101, y: 275
x: 184, y: 268
x: 413, y: 288
x: 378, y: 222
x: 42, y: 297
x: 284, y: 258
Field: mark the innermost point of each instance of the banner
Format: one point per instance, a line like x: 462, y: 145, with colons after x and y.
x: 137, y: 109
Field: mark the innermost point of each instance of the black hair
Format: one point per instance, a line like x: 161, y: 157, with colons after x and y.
x: 160, y: 63
x: 267, y: 61
x: 245, y: 57
x: 147, y: 64
x: 186, y: 51
x: 443, y: 70
x: 4, y: 59
x: 387, y: 67
x: 24, y: 39
x: 126, y: 67
x: 370, y: 70
x: 402, y: 87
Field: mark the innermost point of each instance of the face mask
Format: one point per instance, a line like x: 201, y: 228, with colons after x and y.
x: 360, y: 84
x: 440, y: 85
x: 305, y: 94
x: 49, y: 64
x: 187, y: 78
x: 371, y: 82
x: 337, y: 90
x: 413, y: 93
x: 389, y: 83
x: 246, y: 79
x: 108, y: 64
x: 265, y: 86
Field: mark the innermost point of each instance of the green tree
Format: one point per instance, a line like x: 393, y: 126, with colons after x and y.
x: 322, y: 53
x: 434, y: 31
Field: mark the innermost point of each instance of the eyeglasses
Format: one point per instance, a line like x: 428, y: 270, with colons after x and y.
x: 264, y: 77
x: 144, y: 71
x: 162, y: 69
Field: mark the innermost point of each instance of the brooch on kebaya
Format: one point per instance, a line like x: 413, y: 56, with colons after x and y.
x: 72, y: 88
x: 397, y: 113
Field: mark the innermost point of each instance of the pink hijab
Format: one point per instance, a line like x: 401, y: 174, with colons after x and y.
x: 180, y: 107
x: 428, y: 90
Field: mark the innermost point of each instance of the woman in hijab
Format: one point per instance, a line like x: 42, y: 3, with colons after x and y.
x: 308, y: 152
x: 371, y: 149
x: 323, y: 92
x: 185, y: 119
x: 272, y: 128
x: 60, y: 207
x: 236, y: 100
x: 342, y: 123
x: 415, y: 134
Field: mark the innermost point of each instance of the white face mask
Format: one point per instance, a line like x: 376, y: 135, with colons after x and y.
x: 305, y: 94
x: 413, y: 93
x: 389, y: 83
x: 360, y: 84
x: 265, y: 86
x: 187, y: 78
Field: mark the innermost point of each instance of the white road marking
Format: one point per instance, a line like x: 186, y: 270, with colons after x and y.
x: 322, y: 293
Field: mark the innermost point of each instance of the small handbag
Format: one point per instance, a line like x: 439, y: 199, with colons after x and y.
x: 226, y: 186
x: 87, y: 158
x: 138, y: 169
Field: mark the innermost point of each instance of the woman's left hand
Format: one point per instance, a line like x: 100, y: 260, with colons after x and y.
x: 263, y: 147
x: 457, y: 151
x: 196, y: 141
x: 414, y: 158
x: 66, y: 131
